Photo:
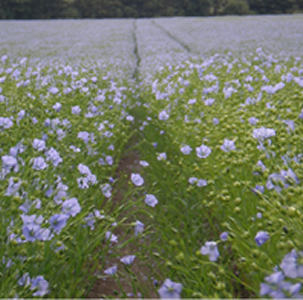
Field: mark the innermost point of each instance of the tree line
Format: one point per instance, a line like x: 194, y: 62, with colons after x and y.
x: 65, y: 9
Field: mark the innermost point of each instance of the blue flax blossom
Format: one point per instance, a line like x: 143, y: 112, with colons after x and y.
x: 263, y: 133
x: 31, y: 232
x: 139, y: 227
x: 228, y: 145
x: 53, y: 90
x: 57, y: 107
x: 9, y: 162
x: 106, y: 190
x: 40, y: 285
x: 170, y: 290
x: 111, y: 271
x: 25, y: 280
x: 186, y: 150
x: 192, y: 180
x: 6, y: 123
x: 84, y: 182
x: 39, y: 163
x: 163, y: 115
x: 201, y: 182
x: 137, y: 179
x: 162, y: 156
x: 90, y: 221
x: 210, y: 249
x: 290, y: 124
x: 224, y: 236
x: 143, y: 163
x: 83, y: 169
x: 258, y: 189
x: 277, y: 287
x: 273, y: 89
x: 151, y: 200
x: 39, y: 144
x: 128, y: 260
x: 228, y: 91
x: 192, y: 101
x: 261, y: 237
x: 215, y: 121
x: 209, y: 102
x: 290, y: 265
x: 13, y: 187
x: 253, y: 121
x: 71, y: 207
x: 203, y: 151
x: 110, y: 236
x: 76, y: 110
x: 276, y: 181
x: 109, y: 160
x: 58, y: 222
x: 84, y: 135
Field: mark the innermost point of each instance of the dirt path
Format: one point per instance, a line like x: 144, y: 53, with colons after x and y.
x: 110, y: 287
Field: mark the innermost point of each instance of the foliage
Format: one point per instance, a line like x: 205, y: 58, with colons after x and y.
x: 236, y: 7
x: 53, y: 9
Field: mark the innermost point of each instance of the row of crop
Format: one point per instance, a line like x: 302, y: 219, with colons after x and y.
x: 223, y: 139
x: 63, y: 129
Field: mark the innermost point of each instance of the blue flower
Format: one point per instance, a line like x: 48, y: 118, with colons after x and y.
x: 111, y: 271
x: 139, y: 227
x: 228, y: 145
x: 39, y: 144
x: 53, y: 90
x: 128, y: 260
x: 24, y: 280
x: 137, y: 179
x: 290, y: 266
x: 71, y: 207
x: 151, y: 200
x: 162, y: 156
x: 13, y: 187
x: 186, y: 150
x: 39, y: 163
x: 58, y: 222
x: 110, y: 236
x: 163, y: 115
x: 210, y: 249
x: 263, y: 133
x: 215, y: 121
x: 31, y: 232
x: 201, y: 182
x: 170, y: 290
x: 53, y: 156
x: 209, y: 102
x: 253, y: 121
x: 261, y: 238
x: 9, y: 162
x: 90, y: 221
x: 224, y: 236
x: 76, y: 110
x: 106, y: 190
x: 41, y: 285
x: 203, y: 151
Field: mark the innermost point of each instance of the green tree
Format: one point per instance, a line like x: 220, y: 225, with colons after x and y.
x: 236, y: 7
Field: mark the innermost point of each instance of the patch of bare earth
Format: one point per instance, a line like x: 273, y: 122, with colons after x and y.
x: 109, y: 287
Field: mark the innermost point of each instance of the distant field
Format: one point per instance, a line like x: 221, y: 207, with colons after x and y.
x: 162, y: 40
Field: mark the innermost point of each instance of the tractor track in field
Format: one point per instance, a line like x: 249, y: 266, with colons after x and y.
x: 129, y: 163
x: 185, y: 46
x: 136, y: 53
